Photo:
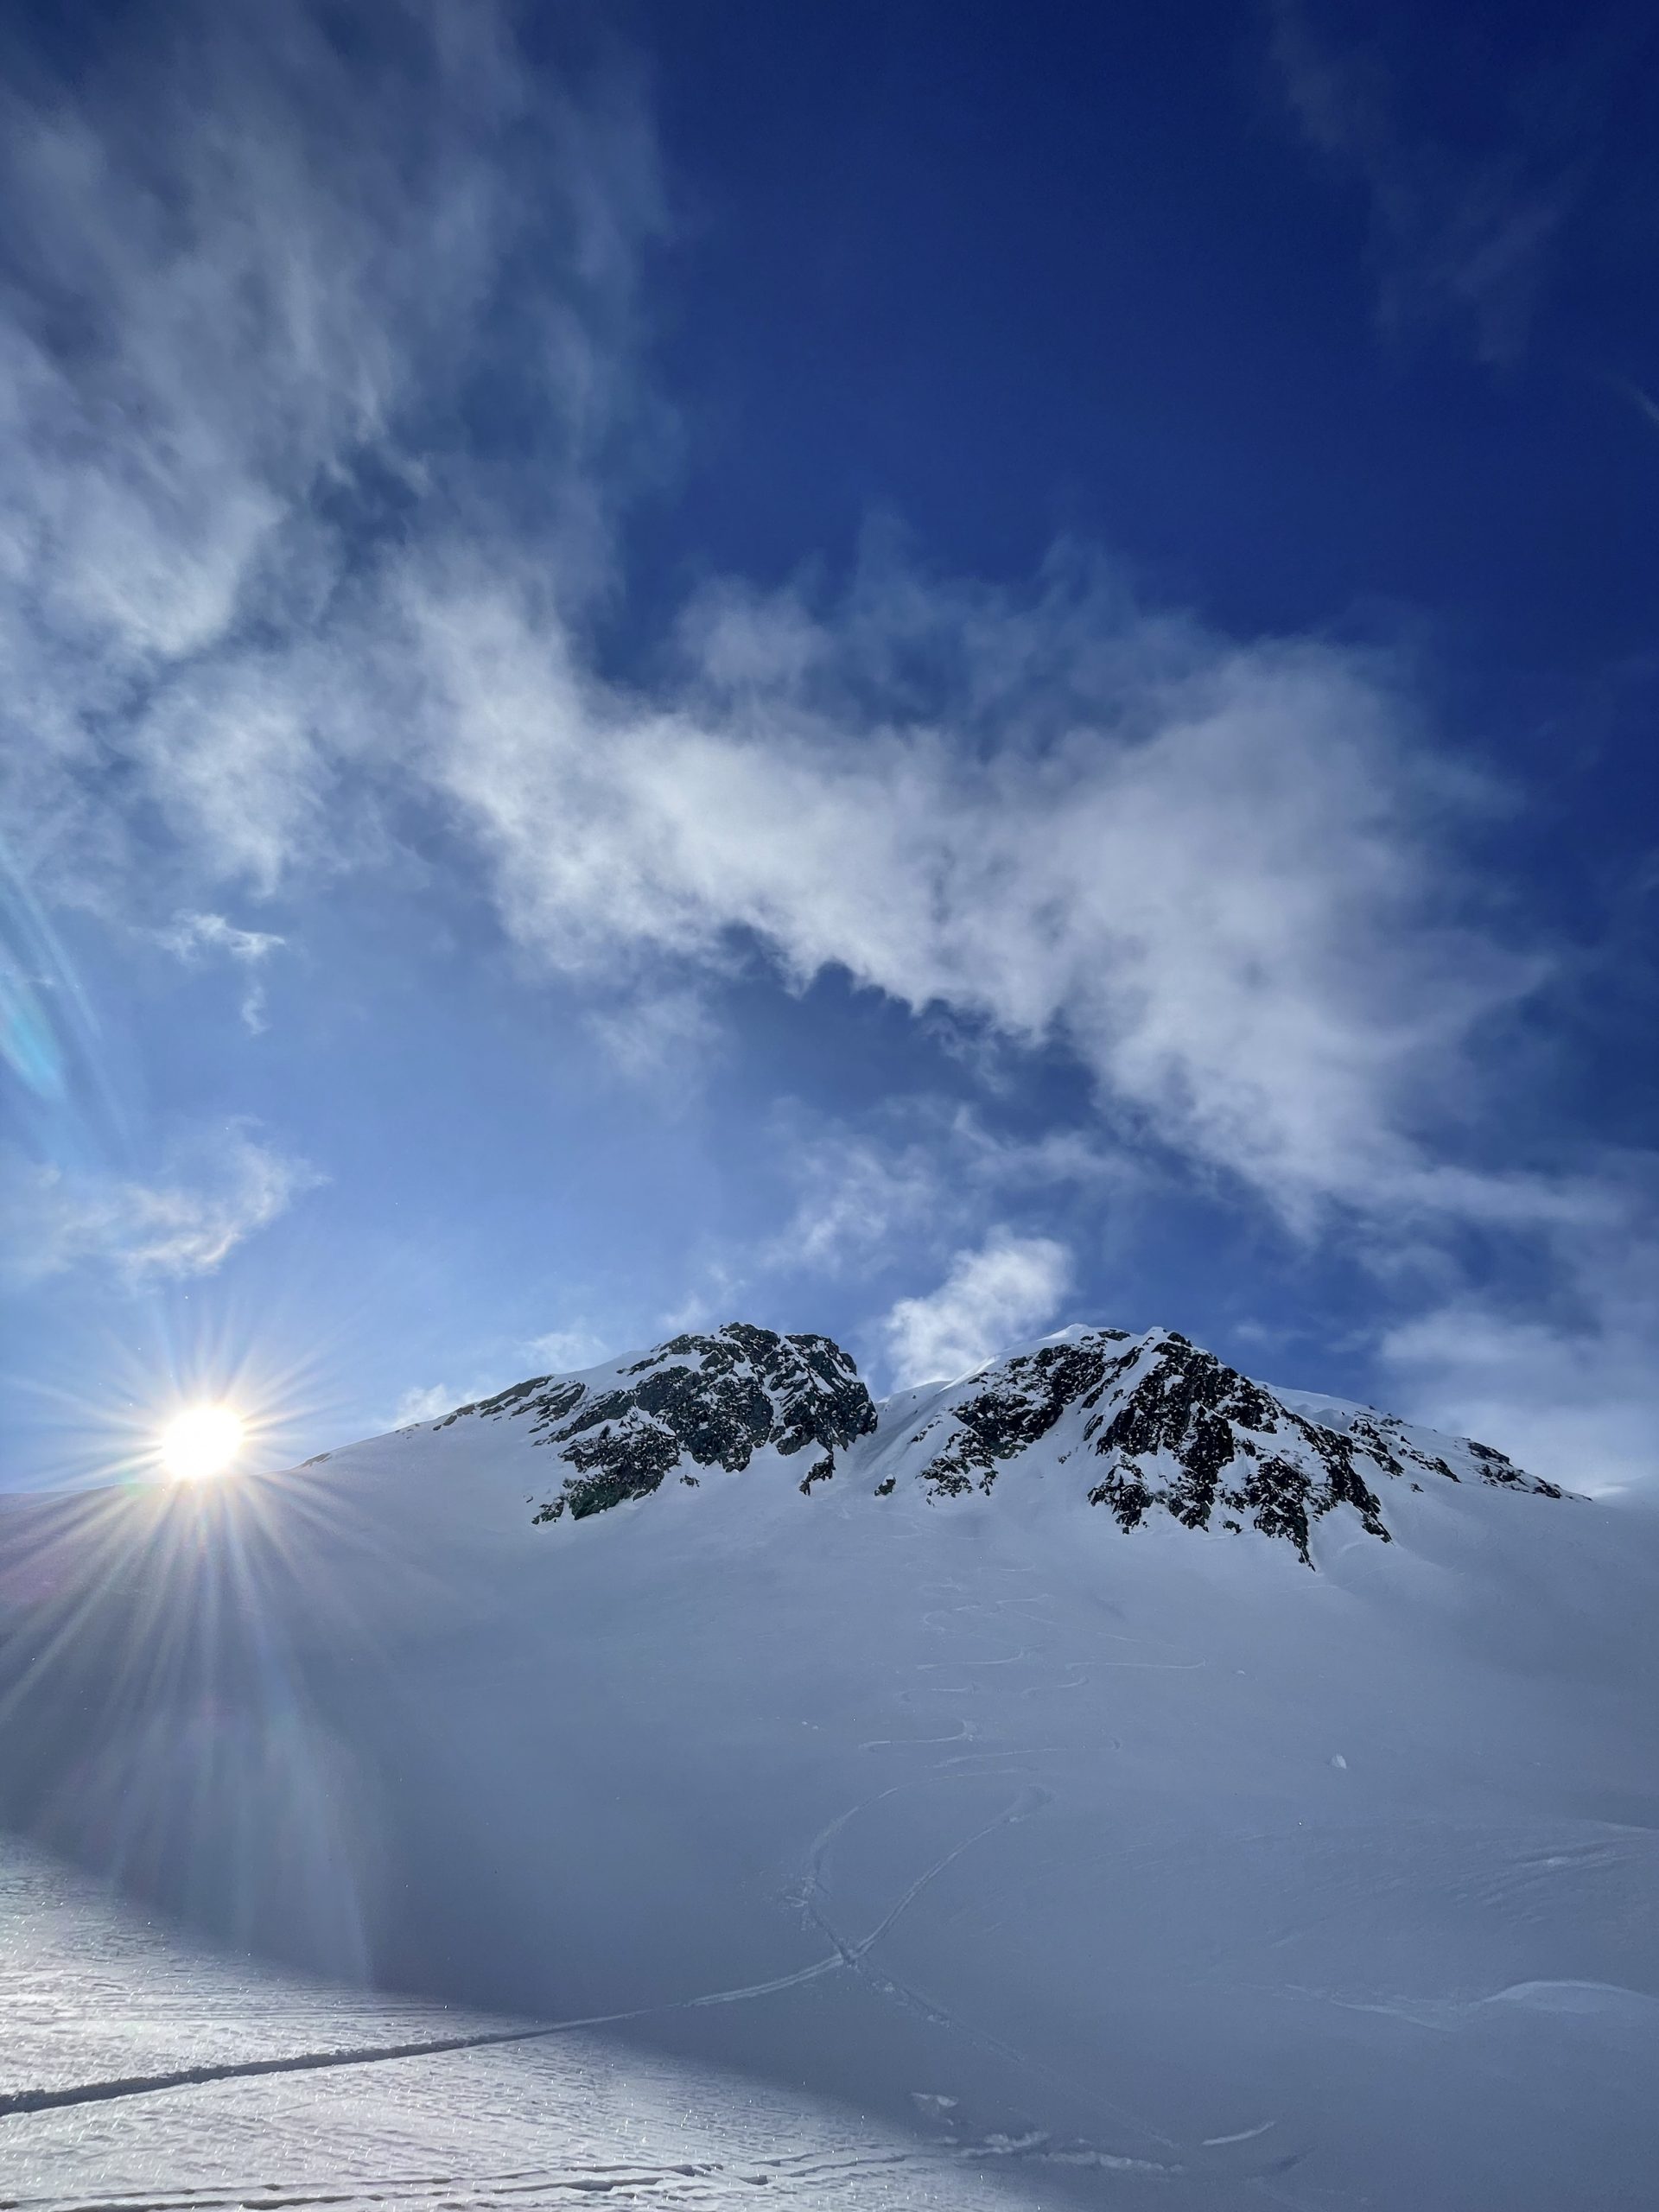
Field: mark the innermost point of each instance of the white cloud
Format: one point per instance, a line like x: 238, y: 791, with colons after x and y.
x: 1564, y: 1378
x: 276, y: 247
x: 1222, y: 875
x: 561, y: 1352
x: 565, y: 1351
x: 181, y: 1224
x: 254, y: 587
x: 663, y: 1036
x: 715, y: 1297
x: 429, y: 1404
x: 1003, y: 1291
x: 861, y: 1196
x: 237, y: 760
x: 191, y: 935
x: 1579, y: 1405
x: 923, y: 1170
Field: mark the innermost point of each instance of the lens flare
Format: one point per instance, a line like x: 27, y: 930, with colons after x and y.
x: 201, y: 1442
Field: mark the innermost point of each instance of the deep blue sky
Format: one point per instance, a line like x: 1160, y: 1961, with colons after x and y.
x: 906, y: 669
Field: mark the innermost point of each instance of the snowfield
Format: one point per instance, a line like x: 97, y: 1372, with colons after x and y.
x: 1280, y: 1828
x: 307, y: 2094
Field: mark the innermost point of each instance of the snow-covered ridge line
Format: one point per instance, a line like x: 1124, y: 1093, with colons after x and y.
x: 1148, y: 1424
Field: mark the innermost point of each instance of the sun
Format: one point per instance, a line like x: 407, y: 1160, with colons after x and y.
x: 201, y: 1442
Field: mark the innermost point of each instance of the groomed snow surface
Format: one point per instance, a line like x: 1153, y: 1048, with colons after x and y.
x: 899, y: 1849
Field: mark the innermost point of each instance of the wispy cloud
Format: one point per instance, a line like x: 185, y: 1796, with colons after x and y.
x: 278, y: 239
x: 663, y: 1035
x: 926, y: 1173
x: 1001, y: 1292
x: 560, y: 1351
x: 184, y: 1223
x: 1459, y: 235
x: 564, y: 1351
x: 190, y: 936
x: 1561, y: 1373
x: 430, y: 1403
x: 265, y: 581
x: 1643, y: 402
x: 1223, y: 875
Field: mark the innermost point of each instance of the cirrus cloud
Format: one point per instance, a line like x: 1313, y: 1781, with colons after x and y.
x: 274, y: 608
x: 1222, y: 874
x: 183, y: 1222
x: 190, y: 936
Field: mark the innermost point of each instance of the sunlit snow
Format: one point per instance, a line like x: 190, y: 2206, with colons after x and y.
x: 892, y: 1847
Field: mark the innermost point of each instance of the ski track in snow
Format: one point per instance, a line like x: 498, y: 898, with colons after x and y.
x: 855, y: 1955
x: 966, y: 1730
x: 692, y: 2184
x: 847, y: 1954
x: 18, y: 2102
x: 689, y: 2183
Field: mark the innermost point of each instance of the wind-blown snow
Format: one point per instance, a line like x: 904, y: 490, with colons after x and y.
x: 1116, y: 1863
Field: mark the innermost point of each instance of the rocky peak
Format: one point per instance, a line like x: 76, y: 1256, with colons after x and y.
x: 1160, y: 1426
x: 698, y: 1400
x: 1145, y: 1425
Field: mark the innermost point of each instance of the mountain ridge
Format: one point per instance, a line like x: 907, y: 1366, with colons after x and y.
x: 1173, y: 1428
x: 1169, y: 1871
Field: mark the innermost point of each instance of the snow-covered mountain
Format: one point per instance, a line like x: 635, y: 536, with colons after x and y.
x: 1149, y: 1423
x: 983, y: 1771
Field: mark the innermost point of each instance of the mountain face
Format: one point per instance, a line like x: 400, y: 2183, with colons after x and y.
x: 695, y: 1402
x: 1145, y: 1424
x: 998, y: 1790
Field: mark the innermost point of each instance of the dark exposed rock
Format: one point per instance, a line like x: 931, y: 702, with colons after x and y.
x: 1181, y: 1433
x: 712, y: 1400
x: 1161, y: 1426
x: 504, y: 1401
x: 1495, y: 1467
x: 1027, y: 1397
x: 1185, y: 1406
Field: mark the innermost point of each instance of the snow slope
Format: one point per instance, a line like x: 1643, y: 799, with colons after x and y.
x: 1099, y: 1849
x: 281, y: 2091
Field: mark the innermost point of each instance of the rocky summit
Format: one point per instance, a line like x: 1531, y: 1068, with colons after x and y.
x: 1157, y: 1425
x: 1147, y: 1426
x: 708, y: 1400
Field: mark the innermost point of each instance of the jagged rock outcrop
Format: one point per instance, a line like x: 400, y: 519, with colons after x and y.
x: 1146, y: 1425
x: 1182, y: 1433
x: 698, y: 1401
